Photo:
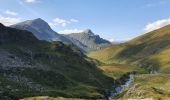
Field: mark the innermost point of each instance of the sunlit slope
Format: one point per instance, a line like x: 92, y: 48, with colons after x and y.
x: 48, y: 98
x: 107, y: 55
x: 154, y: 86
x: 117, y: 70
x: 150, y: 50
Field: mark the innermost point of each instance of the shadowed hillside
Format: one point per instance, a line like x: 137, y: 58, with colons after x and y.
x: 30, y: 67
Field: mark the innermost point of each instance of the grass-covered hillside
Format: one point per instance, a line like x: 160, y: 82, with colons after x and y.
x: 29, y: 67
x: 48, y: 98
x: 150, y: 51
x: 155, y: 87
x: 146, y: 53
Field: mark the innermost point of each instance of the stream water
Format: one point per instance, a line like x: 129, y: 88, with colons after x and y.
x: 119, y: 89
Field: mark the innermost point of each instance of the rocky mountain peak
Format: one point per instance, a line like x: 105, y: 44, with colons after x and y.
x: 35, y: 23
x: 1, y: 25
x: 39, y: 23
x: 40, y: 29
x: 89, y: 32
x: 38, y: 19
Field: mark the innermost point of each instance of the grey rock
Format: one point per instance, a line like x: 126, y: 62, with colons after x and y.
x: 40, y: 29
x: 88, y: 41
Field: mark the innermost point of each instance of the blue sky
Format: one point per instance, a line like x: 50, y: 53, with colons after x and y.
x: 112, y: 19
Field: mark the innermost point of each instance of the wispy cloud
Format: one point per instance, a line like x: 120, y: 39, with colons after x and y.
x: 157, y: 24
x: 58, y: 21
x: 33, y: 12
x: 32, y: 1
x: 155, y: 4
x: 74, y: 20
x: 68, y: 31
x: 11, y: 13
x: 62, y: 22
x: 9, y: 20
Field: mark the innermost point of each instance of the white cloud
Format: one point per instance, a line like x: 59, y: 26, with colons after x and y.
x: 11, y: 13
x: 9, y: 20
x: 62, y: 22
x: 74, y: 20
x: 59, y: 21
x: 111, y: 40
x: 69, y: 31
x: 157, y: 24
x: 31, y: 1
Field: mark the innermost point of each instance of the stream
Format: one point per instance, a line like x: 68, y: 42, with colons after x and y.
x: 119, y: 89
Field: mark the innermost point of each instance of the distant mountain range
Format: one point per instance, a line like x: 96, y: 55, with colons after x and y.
x: 86, y: 41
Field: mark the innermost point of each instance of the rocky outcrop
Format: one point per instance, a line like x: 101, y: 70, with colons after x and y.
x: 88, y: 41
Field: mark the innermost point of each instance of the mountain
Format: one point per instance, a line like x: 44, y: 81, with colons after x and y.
x: 40, y: 29
x: 31, y: 67
x: 150, y: 51
x: 150, y: 54
x: 88, y: 41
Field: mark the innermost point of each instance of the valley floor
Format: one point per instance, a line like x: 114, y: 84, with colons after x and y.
x: 48, y: 98
x: 116, y: 71
x: 144, y: 87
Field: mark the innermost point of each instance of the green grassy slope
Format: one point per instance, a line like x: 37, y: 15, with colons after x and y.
x: 48, y: 98
x: 149, y: 51
x: 107, y: 55
x: 29, y: 67
x: 154, y: 86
